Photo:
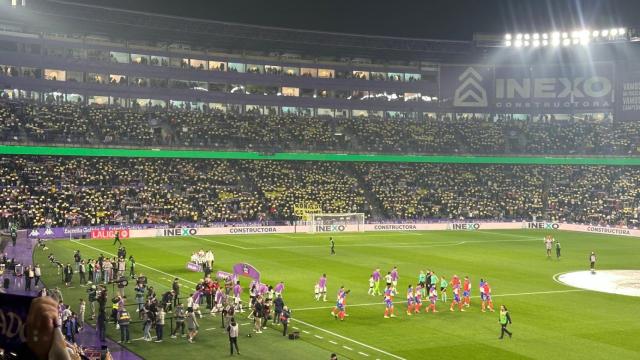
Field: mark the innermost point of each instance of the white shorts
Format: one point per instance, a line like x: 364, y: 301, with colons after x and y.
x: 394, y: 283
x: 323, y: 289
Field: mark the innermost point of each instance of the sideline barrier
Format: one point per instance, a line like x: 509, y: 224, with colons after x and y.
x: 136, y: 231
x: 470, y: 226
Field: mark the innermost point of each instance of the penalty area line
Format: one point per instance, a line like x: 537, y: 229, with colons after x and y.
x: 348, y: 339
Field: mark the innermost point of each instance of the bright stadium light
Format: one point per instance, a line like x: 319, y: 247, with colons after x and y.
x: 536, y: 43
x: 555, y: 35
x: 595, y: 33
x: 566, y: 42
x: 518, y: 43
x: 507, y: 43
x: 519, y: 37
x: 575, y: 34
x: 565, y: 35
x: 526, y: 43
x: 555, y: 42
x: 605, y: 33
x: 585, y: 41
x: 613, y: 32
x: 545, y: 42
x: 507, y: 37
x: 576, y: 41
x: 536, y: 36
x: 622, y: 31
x: 545, y: 36
x: 527, y: 36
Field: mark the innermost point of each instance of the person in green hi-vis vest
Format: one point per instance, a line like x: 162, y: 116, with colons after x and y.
x: 505, y: 319
x: 443, y: 288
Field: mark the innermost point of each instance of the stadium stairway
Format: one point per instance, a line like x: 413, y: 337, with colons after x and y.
x: 372, y: 201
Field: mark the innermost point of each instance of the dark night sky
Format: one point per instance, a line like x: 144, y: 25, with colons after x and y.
x: 442, y: 19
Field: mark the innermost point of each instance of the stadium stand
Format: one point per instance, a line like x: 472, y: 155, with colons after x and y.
x: 61, y: 191
x: 23, y: 121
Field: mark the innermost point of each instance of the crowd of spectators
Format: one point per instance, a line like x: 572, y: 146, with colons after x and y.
x: 61, y: 191
x: 456, y: 192
x: 52, y: 191
x: 285, y: 185
x: 66, y: 123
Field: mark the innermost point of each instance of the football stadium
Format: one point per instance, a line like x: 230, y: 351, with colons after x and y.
x: 180, y: 186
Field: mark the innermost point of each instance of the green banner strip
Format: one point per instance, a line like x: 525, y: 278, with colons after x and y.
x: 252, y: 155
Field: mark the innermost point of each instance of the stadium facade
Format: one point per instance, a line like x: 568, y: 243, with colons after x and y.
x: 55, y: 50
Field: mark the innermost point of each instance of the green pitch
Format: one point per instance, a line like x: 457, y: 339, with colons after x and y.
x: 550, y: 320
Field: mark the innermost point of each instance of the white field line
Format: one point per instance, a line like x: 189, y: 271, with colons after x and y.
x: 221, y: 243
x: 509, y: 234
x: 382, y: 245
x: 346, y: 347
x: 139, y: 264
x: 363, y: 354
x: 318, y: 336
x: 333, y: 342
x: 473, y: 297
x: 348, y: 339
x: 340, y: 236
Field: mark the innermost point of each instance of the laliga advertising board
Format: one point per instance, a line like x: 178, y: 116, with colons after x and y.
x: 109, y: 234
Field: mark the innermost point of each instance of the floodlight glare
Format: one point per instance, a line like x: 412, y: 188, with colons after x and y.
x: 555, y: 42
x: 536, y: 43
x: 595, y: 33
x: 575, y: 34
x: 565, y: 35
x: 519, y: 37
x: 518, y: 43
x: 527, y: 36
x: 584, y: 41
x: 507, y: 43
x: 536, y: 36
x: 613, y: 32
x: 566, y: 42
x: 576, y: 41
x: 605, y: 32
x: 555, y: 35
x: 545, y: 36
x: 622, y: 31
x: 526, y: 43
x: 507, y: 37
x: 545, y: 42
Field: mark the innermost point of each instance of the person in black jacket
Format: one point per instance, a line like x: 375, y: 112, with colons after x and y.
x: 258, y: 309
x: 175, y: 286
x: 278, y: 305
x: 284, y: 318
x: 68, y: 274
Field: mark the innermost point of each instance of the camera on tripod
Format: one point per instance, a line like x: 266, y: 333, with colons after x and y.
x: 121, y: 281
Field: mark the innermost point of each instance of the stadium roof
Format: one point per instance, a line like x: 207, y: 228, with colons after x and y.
x: 69, y: 17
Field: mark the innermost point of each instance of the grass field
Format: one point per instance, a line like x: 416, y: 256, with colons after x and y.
x: 550, y: 320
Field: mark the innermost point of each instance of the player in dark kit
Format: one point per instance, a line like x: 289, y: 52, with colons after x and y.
x: 333, y: 246
x: 117, y: 238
